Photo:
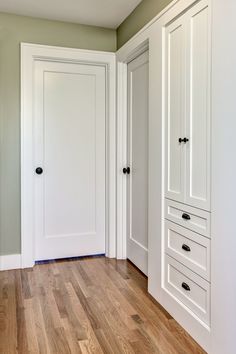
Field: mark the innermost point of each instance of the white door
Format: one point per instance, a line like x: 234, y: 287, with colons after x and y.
x: 187, y: 105
x: 137, y: 239
x: 69, y: 140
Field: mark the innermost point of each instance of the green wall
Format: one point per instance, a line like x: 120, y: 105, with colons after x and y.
x: 143, y: 13
x: 13, y: 30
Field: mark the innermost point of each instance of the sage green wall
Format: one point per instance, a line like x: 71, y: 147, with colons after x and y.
x: 141, y: 15
x: 13, y: 30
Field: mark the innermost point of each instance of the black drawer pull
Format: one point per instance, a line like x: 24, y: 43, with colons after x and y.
x: 186, y: 216
x: 186, y: 248
x: 185, y: 286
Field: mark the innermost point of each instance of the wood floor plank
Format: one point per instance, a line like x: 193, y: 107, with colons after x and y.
x: 89, y: 305
x: 41, y: 333
x: 18, y: 309
x: 84, y: 321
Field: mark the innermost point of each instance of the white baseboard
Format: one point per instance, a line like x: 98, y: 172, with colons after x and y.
x: 12, y: 261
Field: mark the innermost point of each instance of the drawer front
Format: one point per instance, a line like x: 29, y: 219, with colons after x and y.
x: 189, y: 248
x: 188, y: 288
x: 194, y: 219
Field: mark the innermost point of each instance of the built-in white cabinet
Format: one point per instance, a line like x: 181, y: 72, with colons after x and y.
x: 187, y: 113
x: 186, y: 239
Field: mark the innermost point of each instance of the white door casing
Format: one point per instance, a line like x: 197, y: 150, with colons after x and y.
x: 137, y: 196
x: 31, y: 55
x: 69, y: 144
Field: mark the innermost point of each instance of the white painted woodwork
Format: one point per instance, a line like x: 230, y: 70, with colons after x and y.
x: 197, y: 299
x: 198, y: 258
x: 175, y: 109
x: 10, y: 262
x: 69, y: 131
x: 186, y: 88
x: 198, y: 108
x: 137, y: 234
x: 30, y: 55
x: 187, y: 108
x: 223, y: 177
x: 200, y: 220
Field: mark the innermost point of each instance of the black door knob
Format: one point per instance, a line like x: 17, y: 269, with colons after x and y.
x: 39, y: 170
x: 126, y: 170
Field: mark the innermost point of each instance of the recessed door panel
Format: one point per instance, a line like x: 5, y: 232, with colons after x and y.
x: 198, y: 122
x: 175, y: 109
x: 137, y: 242
x: 70, y: 147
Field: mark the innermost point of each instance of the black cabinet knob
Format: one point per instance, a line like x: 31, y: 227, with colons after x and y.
x: 186, y: 216
x: 186, y: 248
x: 126, y: 170
x: 185, y: 286
x: 39, y: 170
x: 184, y: 140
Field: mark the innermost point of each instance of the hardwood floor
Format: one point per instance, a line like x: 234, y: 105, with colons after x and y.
x: 90, y: 305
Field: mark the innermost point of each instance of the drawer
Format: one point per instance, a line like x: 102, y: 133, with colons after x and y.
x: 194, y: 219
x: 189, y: 248
x: 188, y: 288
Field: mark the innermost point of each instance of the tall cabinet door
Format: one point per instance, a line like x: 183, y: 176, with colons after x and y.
x: 175, y: 109
x: 197, y: 105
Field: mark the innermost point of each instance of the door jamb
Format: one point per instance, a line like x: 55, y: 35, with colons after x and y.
x: 29, y: 54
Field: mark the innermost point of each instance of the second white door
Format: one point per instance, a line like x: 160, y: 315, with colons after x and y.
x: 69, y: 139
x: 137, y: 233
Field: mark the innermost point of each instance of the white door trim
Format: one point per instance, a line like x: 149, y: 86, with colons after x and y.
x: 30, y: 53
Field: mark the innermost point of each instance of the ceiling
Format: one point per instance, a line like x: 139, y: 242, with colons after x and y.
x: 104, y: 13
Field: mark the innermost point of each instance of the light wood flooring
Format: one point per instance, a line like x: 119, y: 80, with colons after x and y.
x: 90, y: 305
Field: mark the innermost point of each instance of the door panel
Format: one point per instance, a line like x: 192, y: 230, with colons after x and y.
x: 175, y: 109
x: 137, y: 242
x: 198, y: 122
x: 70, y: 147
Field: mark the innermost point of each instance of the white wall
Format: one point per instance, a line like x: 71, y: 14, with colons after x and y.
x: 224, y: 178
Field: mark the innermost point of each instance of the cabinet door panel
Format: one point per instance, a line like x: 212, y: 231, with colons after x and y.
x: 175, y: 109
x: 198, y: 120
